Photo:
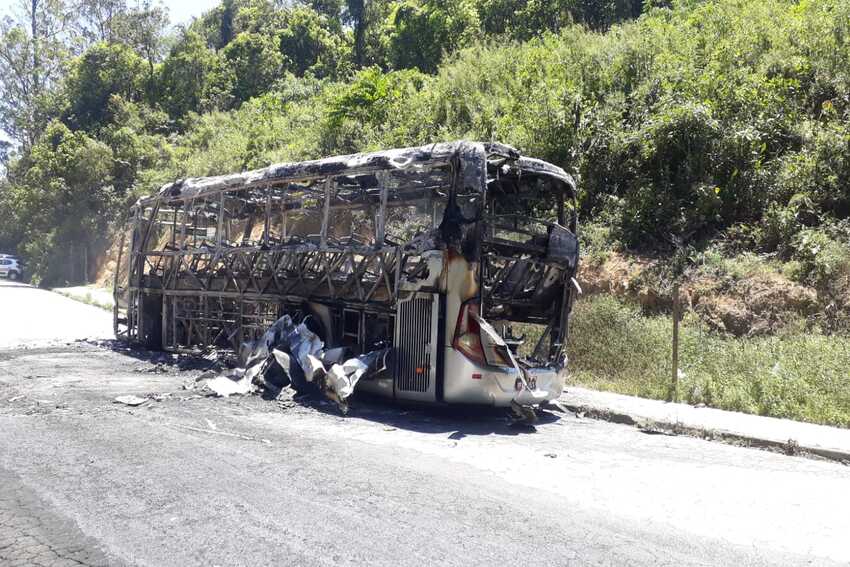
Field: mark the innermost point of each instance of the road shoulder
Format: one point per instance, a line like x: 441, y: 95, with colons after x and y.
x: 783, y: 435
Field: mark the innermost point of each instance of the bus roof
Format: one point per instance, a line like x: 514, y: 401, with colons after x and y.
x: 474, y: 153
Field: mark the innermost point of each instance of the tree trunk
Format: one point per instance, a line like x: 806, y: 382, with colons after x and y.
x: 36, y: 51
x: 357, y: 11
x: 35, y: 75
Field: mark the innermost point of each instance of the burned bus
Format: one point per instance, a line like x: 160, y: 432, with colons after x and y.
x: 457, y: 257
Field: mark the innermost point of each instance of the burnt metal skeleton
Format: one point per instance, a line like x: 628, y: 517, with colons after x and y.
x: 456, y: 261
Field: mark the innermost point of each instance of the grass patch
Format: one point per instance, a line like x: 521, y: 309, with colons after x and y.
x: 739, y: 266
x: 88, y: 299
x: 597, y: 242
x: 615, y: 347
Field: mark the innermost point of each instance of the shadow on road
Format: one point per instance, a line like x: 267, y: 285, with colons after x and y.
x: 166, y: 359
x: 457, y: 420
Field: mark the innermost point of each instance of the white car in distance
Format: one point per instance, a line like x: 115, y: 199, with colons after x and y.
x: 10, y: 267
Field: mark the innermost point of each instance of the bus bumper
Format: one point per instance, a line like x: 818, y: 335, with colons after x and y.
x: 469, y: 383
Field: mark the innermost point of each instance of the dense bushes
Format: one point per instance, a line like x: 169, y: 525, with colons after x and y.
x: 689, y: 122
x: 699, y: 120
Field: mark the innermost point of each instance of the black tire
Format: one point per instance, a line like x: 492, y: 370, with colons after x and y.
x: 14, y: 276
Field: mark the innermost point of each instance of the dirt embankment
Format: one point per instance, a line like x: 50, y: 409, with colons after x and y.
x: 107, y: 263
x: 760, y: 303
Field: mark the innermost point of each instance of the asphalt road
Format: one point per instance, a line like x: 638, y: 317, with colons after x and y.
x: 31, y: 316
x: 194, y: 480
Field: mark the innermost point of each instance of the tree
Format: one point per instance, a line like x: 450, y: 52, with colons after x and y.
x: 193, y: 78
x: 261, y: 17
x: 255, y: 62
x: 524, y: 19
x: 9, y: 234
x: 330, y: 8
x: 96, y: 19
x: 134, y: 135
x: 357, y: 18
x: 309, y: 41
x: 368, y: 99
x: 371, y: 105
x: 227, y: 14
x: 421, y: 31
x: 61, y: 194
x: 104, y: 70
x: 601, y: 14
x: 217, y: 26
x: 538, y: 16
x: 6, y: 150
x: 33, y: 50
x: 114, y: 22
x: 143, y: 29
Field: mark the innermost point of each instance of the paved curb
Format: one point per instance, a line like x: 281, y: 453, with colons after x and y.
x: 609, y: 407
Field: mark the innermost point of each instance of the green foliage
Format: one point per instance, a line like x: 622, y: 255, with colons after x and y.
x: 524, y: 19
x: 820, y: 170
x: 667, y: 165
x: 615, y: 347
x: 135, y: 138
x: 332, y: 9
x: 255, y: 63
x: 823, y: 261
x: 601, y: 14
x: 366, y: 109
x: 778, y: 228
x: 9, y: 231
x: 62, y: 197
x: 691, y: 120
x: 419, y: 32
x: 597, y: 242
x: 310, y: 44
x: 216, y: 27
x: 140, y: 27
x: 695, y: 120
x: 193, y: 78
x: 310, y: 37
x: 33, y: 57
x: 103, y: 71
x: 520, y: 94
x: 270, y: 128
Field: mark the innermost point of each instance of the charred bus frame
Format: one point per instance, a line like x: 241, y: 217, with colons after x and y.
x: 441, y: 252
